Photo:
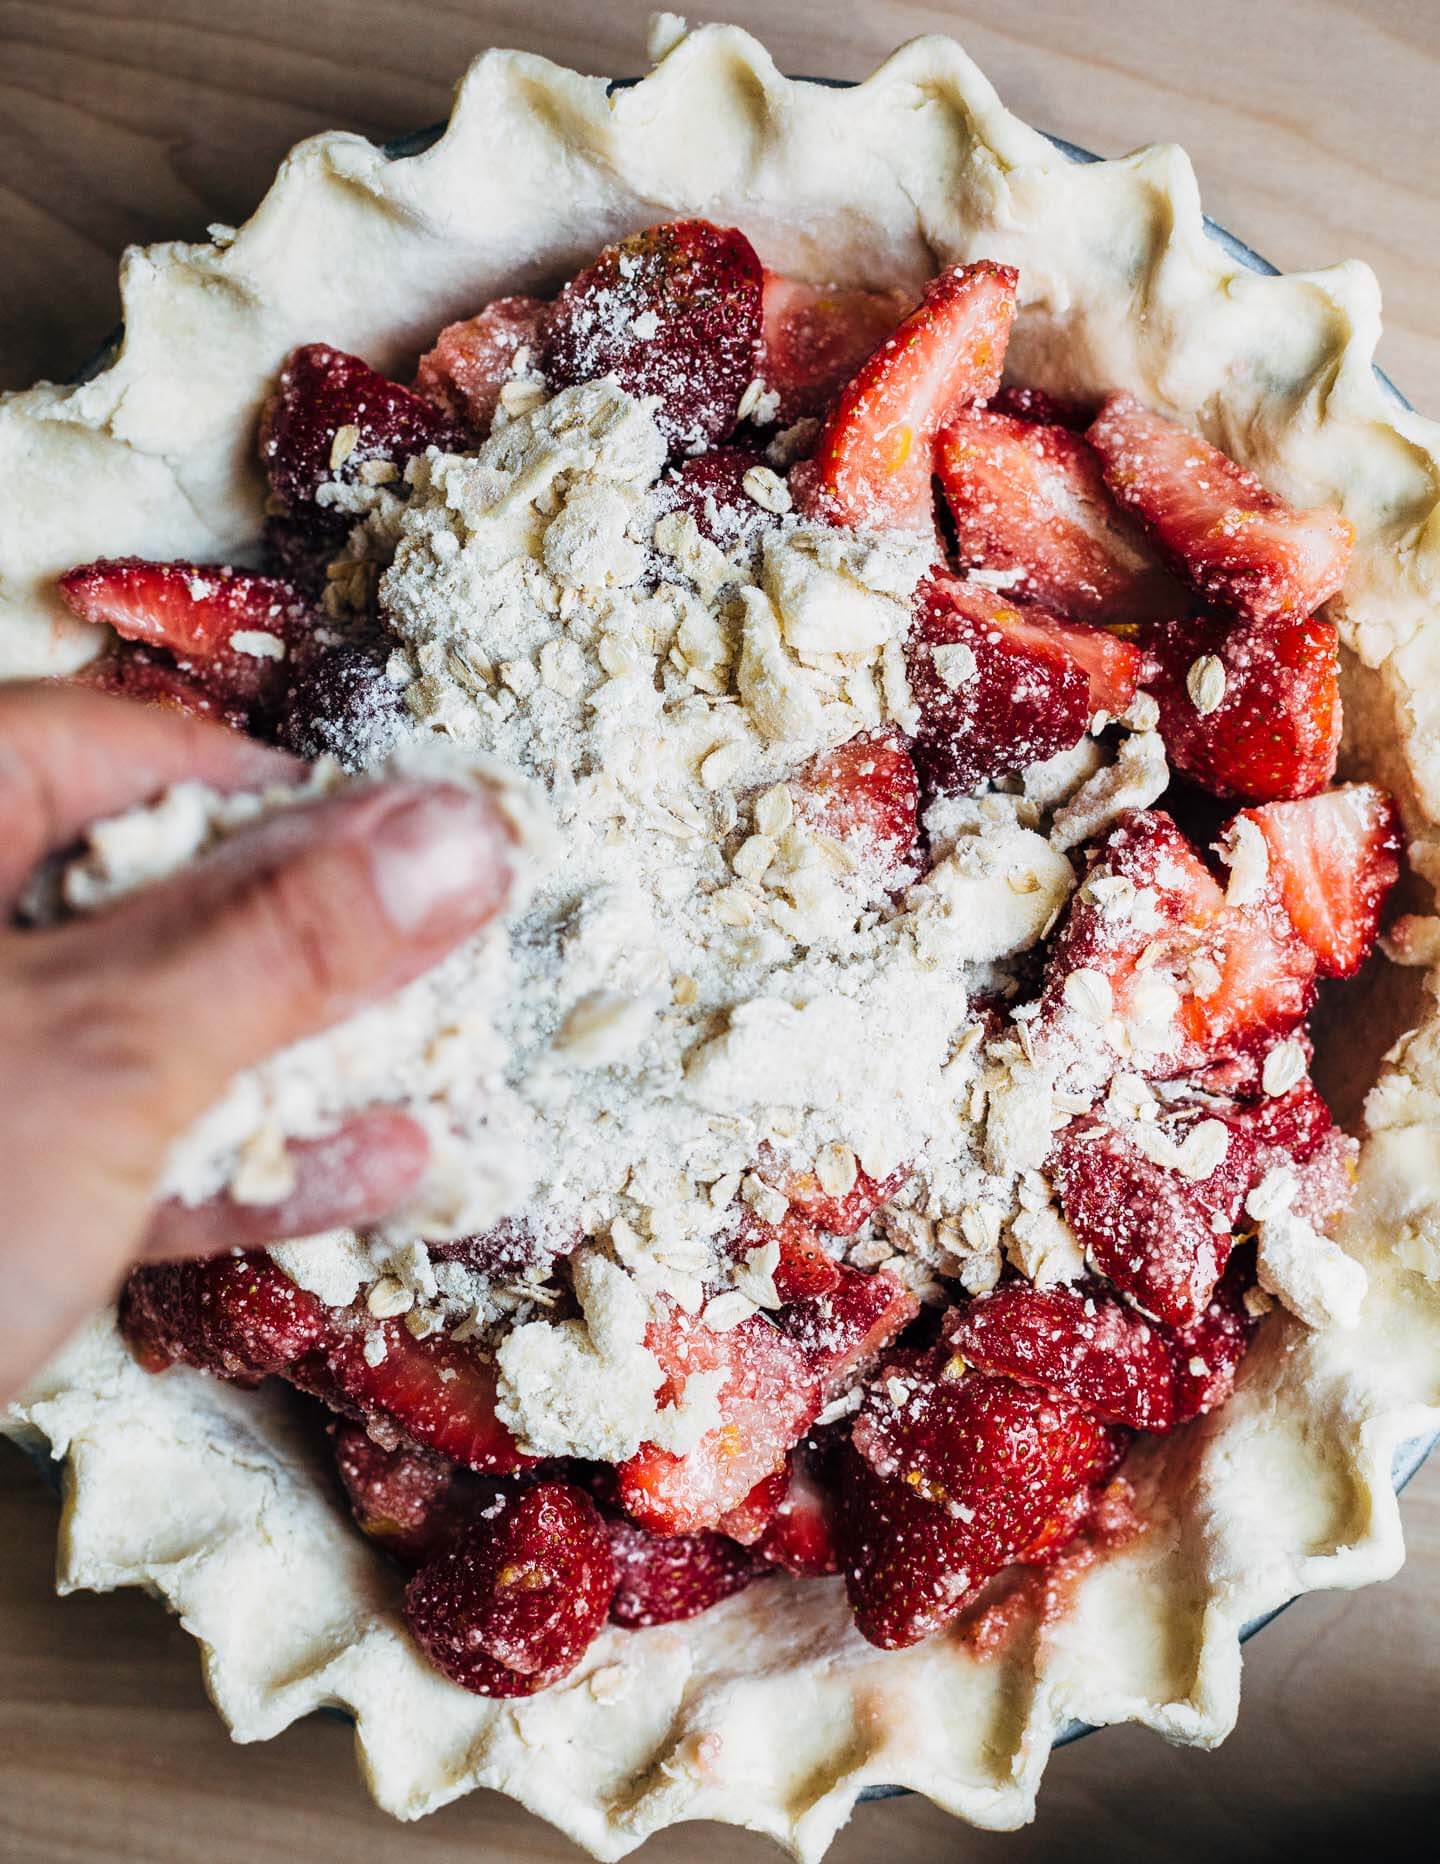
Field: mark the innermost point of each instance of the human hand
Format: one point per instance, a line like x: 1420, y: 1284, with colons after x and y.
x: 116, y: 1031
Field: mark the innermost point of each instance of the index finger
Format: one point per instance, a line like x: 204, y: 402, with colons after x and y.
x: 70, y: 754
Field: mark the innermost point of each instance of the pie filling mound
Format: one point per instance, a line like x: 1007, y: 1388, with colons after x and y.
x: 905, y: 1056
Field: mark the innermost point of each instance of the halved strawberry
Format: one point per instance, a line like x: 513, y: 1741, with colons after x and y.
x: 816, y: 337
x: 434, y: 1392
x: 150, y: 678
x: 1156, y: 1230
x: 842, y: 1332
x: 663, y: 1580
x: 470, y: 362
x: 769, y: 1397
x: 409, y: 1502
x: 748, y: 1520
x: 802, y: 1533
x: 513, y: 1602
x: 238, y: 1316
x: 835, y: 1213
x: 1038, y: 404
x: 1238, y: 543
x: 950, y: 1479
x: 1294, y: 1131
x: 233, y: 634
x: 1032, y: 499
x: 865, y: 795
x: 996, y: 686
x: 1208, y: 1352
x: 674, y: 311
x: 330, y: 415
x: 1077, y: 1342
x: 711, y: 488
x: 1236, y: 975
x: 1334, y: 859
x: 873, y: 461
x: 1270, y: 727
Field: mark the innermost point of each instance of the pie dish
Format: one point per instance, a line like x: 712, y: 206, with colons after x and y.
x: 1284, y: 1489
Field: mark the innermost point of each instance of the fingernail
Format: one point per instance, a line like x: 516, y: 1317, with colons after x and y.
x: 440, y: 860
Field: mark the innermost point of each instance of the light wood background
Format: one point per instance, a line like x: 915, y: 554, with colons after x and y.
x: 1314, y: 127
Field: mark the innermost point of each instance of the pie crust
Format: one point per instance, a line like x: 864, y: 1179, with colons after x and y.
x: 770, y: 1711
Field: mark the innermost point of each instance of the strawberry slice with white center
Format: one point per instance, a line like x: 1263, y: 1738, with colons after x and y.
x: 1188, y: 978
x: 801, y: 1533
x: 1000, y: 687
x: 768, y: 1397
x: 1237, y: 543
x: 875, y: 456
x: 865, y: 795
x: 232, y: 634
x: 470, y: 362
x: 1250, y: 711
x: 816, y: 336
x: 1157, y: 1224
x: 1032, y: 499
x: 1334, y: 859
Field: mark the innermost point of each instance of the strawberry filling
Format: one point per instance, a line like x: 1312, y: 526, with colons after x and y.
x: 1090, y: 573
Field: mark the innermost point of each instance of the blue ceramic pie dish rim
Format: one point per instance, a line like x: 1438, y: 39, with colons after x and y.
x: 1409, y: 1456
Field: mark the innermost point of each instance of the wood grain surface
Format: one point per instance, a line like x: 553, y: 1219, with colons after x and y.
x: 1313, y: 124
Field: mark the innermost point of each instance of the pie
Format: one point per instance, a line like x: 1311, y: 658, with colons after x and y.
x: 894, y: 1270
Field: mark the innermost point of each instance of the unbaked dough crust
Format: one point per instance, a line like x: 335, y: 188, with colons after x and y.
x: 206, y: 1495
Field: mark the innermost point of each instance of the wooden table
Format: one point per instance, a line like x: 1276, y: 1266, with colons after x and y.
x: 1313, y: 125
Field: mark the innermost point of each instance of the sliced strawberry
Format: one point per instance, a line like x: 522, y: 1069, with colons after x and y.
x: 332, y: 414
x: 674, y: 311
x: 749, y: 1520
x: 1038, y: 404
x: 1013, y: 696
x: 1078, y: 1343
x: 865, y: 795
x: 873, y: 461
x: 1208, y: 1352
x: 233, y: 634
x: 665, y: 1580
x: 409, y: 1503
x: 802, y: 1534
x: 711, y: 488
x: 1294, y: 1131
x: 1239, y: 544
x: 1334, y: 859
x: 513, y: 1603
x: 239, y: 1316
x: 149, y: 678
x: 816, y: 337
x: 769, y: 1397
x: 463, y: 374
x: 1238, y: 975
x: 1161, y: 1235
x: 434, y: 1392
x: 950, y: 1479
x: 836, y: 1213
x: 1032, y: 499
x: 1272, y: 727
x: 842, y: 1332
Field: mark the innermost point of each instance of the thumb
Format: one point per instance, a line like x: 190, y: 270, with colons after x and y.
x: 285, y: 929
